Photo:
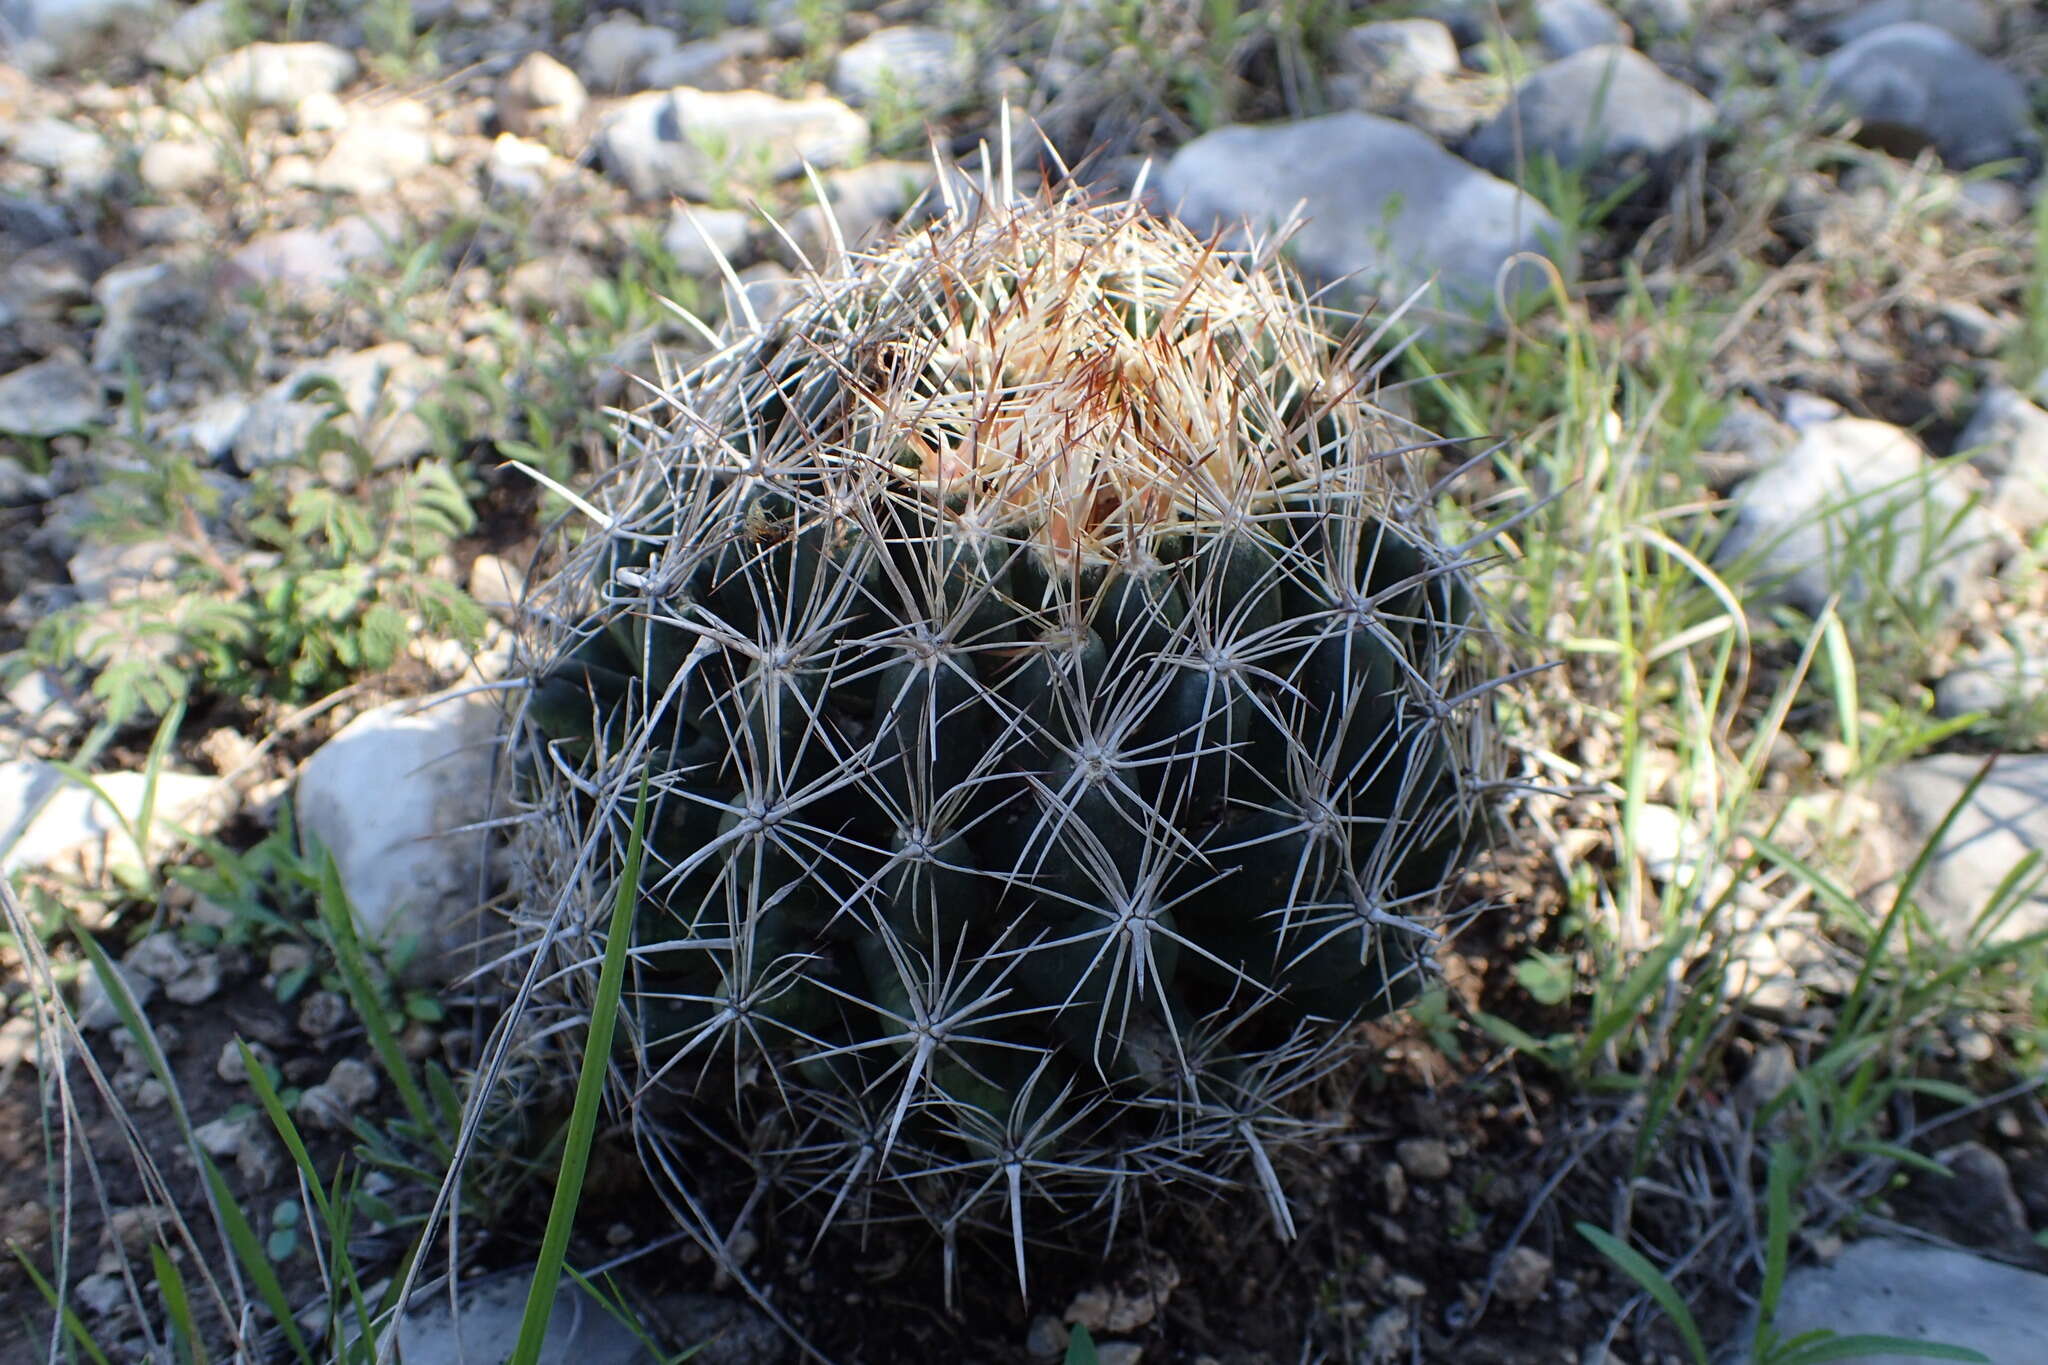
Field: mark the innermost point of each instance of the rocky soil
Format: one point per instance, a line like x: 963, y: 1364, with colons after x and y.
x: 296, y: 301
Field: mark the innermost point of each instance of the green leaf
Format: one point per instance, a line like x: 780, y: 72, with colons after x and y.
x: 1081, y: 1347
x: 597, y: 1048
x: 1638, y: 1268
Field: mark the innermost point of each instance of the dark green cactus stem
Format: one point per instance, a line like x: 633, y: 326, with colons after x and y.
x: 1053, y: 740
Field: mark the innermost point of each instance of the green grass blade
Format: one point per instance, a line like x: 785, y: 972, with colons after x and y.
x: 1638, y: 1268
x: 364, y: 995
x: 248, y: 1248
x: 597, y: 1048
x: 72, y: 1325
x: 177, y: 1303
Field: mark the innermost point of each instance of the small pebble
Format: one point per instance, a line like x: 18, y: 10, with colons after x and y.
x: 1424, y: 1158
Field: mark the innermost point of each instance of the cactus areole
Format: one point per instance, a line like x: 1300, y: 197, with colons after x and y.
x: 1055, y: 710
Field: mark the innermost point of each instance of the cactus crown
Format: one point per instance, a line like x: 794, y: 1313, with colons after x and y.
x: 1055, y: 708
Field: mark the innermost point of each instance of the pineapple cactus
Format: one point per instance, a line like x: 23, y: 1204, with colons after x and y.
x: 1057, y: 718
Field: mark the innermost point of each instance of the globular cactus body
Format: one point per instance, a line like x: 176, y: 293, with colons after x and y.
x: 1052, y: 705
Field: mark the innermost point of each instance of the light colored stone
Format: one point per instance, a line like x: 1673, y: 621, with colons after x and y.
x: 311, y: 258
x: 50, y: 822
x: 1424, y: 1158
x: 387, y: 797
x: 1919, y: 1293
x: 96, y: 1009
x: 485, y: 1326
x: 1568, y: 26
x: 148, y: 314
x: 40, y: 35
x: 2005, y: 818
x: 909, y: 66
x: 2007, y: 441
x: 494, y: 582
x: 697, y: 235
x: 616, y: 50
x: 194, y: 38
x: 710, y: 63
x: 1997, y: 680
x: 172, y: 166
x: 1968, y: 21
x: 540, y: 98
x: 693, y: 143
x: 381, y: 390
x: 1604, y: 110
x: 523, y: 167
x: 270, y: 75
x: 866, y: 201
x: 371, y: 157
x: 1524, y: 1276
x: 1855, y: 498
x: 1399, y: 52
x: 1387, y: 211
x: 50, y: 397
x: 79, y: 157
x: 1914, y: 85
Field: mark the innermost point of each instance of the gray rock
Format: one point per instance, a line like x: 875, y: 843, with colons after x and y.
x: 866, y: 201
x: 1399, y: 52
x: 270, y: 76
x: 769, y: 291
x: 1568, y: 26
x: 47, y: 820
x: 484, y: 1326
x: 310, y: 258
x: 911, y: 66
x: 540, y: 98
x: 1969, y: 21
x: 1920, y: 1293
x: 369, y: 158
x: 388, y: 796
x: 194, y: 38
x: 1387, y: 210
x: 40, y: 34
x: 21, y: 487
x: 96, y: 1009
x: 694, y: 143
x: 80, y: 158
x: 522, y: 166
x: 211, y: 427
x: 2005, y: 818
x: 50, y: 397
x: 1470, y: 21
x: 1914, y: 86
x: 148, y: 315
x: 172, y: 166
x: 49, y: 281
x: 709, y: 63
x: 617, y: 48
x: 33, y: 222
x: 1853, y: 499
x: 1607, y: 111
x: 697, y: 234
x: 1996, y: 681
x: 2007, y: 440
x: 1973, y: 1205
x: 1663, y: 18
x: 381, y: 389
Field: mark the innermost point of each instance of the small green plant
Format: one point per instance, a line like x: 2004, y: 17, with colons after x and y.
x: 1768, y: 1346
x: 327, y: 584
